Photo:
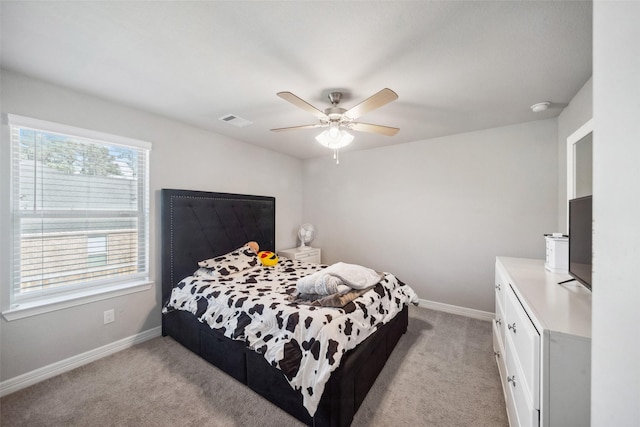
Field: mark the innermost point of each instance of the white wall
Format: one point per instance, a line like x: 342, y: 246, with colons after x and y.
x: 578, y: 112
x: 182, y: 157
x: 437, y: 212
x: 615, y: 359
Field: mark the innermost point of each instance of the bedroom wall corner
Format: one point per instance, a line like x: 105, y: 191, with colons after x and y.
x: 182, y: 157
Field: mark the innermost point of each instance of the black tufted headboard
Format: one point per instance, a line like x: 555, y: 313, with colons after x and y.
x: 198, y: 225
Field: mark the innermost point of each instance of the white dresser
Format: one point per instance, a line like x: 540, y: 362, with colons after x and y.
x: 308, y: 255
x: 542, y: 343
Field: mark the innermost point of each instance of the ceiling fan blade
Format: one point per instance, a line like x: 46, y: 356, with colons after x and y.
x: 381, y: 98
x: 301, y: 103
x: 366, y: 127
x: 297, y: 127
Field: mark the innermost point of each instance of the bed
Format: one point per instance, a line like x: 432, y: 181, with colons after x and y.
x: 197, y: 226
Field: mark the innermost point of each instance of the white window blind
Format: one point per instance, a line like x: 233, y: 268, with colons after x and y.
x: 80, y: 206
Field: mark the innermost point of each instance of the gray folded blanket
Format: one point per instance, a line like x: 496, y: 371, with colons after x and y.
x: 338, y: 278
x: 335, y: 300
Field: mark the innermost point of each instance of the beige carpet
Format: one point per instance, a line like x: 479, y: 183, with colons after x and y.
x: 442, y: 373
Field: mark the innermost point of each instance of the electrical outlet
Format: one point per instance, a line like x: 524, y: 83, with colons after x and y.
x: 109, y: 316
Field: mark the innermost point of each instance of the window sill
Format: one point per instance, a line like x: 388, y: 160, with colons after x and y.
x: 35, y: 308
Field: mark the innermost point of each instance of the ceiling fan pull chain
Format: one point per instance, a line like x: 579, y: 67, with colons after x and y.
x: 336, y: 156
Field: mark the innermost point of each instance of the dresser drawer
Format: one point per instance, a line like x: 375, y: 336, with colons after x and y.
x: 525, y: 348
x: 501, y: 361
x: 313, y: 253
x: 307, y: 255
x: 501, y: 286
x: 526, y: 414
x: 500, y: 323
x: 498, y: 351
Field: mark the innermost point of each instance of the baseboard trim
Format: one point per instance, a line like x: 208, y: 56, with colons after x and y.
x: 454, y: 309
x: 27, y: 379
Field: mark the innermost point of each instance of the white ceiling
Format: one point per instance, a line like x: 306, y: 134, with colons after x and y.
x: 456, y: 66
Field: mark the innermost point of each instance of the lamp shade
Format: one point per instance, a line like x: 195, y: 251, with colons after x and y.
x: 334, y: 140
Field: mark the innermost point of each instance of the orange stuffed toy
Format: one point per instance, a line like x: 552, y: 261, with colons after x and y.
x: 253, y: 246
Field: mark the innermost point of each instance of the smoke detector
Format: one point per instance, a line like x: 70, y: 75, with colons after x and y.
x: 540, y: 106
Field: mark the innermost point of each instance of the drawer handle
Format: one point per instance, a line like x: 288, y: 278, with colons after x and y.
x: 498, y: 286
x: 512, y: 380
x: 513, y: 327
x: 499, y: 322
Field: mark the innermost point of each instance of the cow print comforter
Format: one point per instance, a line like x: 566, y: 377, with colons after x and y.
x: 305, y: 342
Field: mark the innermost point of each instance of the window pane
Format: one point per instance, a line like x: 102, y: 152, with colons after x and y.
x: 63, y: 173
x: 80, y: 210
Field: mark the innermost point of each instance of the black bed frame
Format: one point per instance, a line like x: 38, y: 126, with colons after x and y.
x: 198, y: 225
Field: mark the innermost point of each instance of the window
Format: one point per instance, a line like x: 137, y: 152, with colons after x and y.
x: 80, y: 203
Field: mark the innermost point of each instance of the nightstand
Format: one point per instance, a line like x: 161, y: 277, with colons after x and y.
x: 306, y: 255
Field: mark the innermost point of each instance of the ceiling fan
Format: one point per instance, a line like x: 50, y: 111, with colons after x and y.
x: 338, y: 119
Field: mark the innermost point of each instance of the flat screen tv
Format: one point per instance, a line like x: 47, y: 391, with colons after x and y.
x: 580, y: 234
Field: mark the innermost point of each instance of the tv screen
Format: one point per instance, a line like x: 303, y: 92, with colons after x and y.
x: 580, y: 232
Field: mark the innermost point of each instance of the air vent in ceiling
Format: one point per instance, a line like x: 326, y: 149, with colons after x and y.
x: 232, y: 119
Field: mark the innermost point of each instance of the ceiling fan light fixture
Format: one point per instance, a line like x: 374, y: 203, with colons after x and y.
x: 335, y: 119
x: 330, y: 139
